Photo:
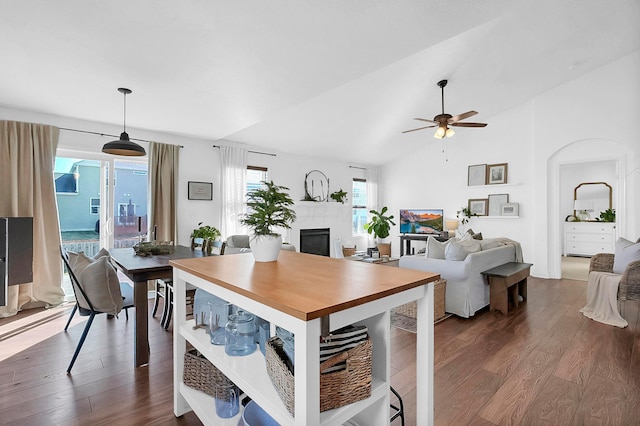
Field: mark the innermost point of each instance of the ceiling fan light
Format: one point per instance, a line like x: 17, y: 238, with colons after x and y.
x: 440, y: 132
x: 449, y: 132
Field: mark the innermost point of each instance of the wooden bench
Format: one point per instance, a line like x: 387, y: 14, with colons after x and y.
x: 505, y: 280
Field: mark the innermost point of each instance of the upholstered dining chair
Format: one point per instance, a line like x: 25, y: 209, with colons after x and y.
x: 97, y: 290
x: 629, y: 287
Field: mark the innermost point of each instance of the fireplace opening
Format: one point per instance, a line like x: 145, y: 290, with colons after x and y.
x: 315, y: 241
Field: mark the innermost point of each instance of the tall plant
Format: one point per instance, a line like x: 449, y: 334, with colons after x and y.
x: 269, y: 209
x: 380, y: 225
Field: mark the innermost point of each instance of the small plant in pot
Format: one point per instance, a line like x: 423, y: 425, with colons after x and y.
x: 270, y: 208
x: 379, y: 226
x: 204, y: 236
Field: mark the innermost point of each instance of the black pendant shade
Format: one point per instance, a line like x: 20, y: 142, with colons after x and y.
x: 124, y: 146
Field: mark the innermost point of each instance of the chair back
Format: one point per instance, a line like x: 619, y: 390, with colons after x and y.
x: 82, y: 301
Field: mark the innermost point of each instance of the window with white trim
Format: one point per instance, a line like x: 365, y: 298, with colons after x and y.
x: 359, y: 197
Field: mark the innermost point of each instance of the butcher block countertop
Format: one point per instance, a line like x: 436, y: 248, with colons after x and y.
x: 305, y: 286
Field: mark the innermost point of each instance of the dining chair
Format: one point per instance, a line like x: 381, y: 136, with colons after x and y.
x: 164, y: 290
x: 97, y: 291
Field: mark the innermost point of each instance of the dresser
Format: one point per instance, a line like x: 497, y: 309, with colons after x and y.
x: 589, y: 238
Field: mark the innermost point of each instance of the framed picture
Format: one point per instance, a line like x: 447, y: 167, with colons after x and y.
x: 495, y: 203
x: 478, y: 207
x: 497, y: 173
x: 510, y: 209
x: 200, y: 191
x: 477, y: 175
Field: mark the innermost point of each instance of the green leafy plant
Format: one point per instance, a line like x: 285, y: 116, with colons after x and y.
x: 464, y: 214
x: 609, y: 215
x: 380, y: 225
x: 269, y: 209
x: 205, y: 232
x: 339, y: 196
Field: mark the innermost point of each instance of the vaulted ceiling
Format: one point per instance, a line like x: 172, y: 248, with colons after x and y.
x: 339, y: 79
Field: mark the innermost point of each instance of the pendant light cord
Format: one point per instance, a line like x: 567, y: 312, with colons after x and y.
x: 124, y: 120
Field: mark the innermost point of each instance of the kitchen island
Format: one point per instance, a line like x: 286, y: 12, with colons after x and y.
x: 305, y: 294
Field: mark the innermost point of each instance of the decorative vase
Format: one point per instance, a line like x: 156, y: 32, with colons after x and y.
x: 265, y: 248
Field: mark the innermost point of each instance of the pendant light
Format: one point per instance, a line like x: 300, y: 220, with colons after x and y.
x: 124, y: 146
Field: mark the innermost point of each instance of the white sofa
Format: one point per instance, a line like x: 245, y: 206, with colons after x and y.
x: 466, y: 290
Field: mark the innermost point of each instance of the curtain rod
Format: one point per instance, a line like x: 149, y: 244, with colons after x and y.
x: 106, y: 134
x: 253, y: 152
x: 355, y: 167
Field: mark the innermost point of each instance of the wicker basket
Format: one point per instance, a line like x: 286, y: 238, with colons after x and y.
x: 348, y: 251
x: 337, y: 388
x: 439, y: 292
x: 200, y: 374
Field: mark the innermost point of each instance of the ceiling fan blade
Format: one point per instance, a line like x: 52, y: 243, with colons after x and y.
x: 428, y: 121
x: 419, y: 128
x: 468, y: 124
x: 462, y: 116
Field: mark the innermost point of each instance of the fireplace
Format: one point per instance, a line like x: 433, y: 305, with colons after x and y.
x: 315, y: 241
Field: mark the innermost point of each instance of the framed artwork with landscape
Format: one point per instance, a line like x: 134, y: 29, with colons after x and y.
x: 496, y: 173
x: 478, y: 207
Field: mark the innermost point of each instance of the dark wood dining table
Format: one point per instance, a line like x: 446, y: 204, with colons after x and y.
x: 141, y: 269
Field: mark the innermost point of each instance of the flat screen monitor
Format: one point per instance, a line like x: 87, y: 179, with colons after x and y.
x: 421, y: 221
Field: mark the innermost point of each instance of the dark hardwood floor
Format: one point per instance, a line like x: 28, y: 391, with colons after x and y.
x: 544, y: 363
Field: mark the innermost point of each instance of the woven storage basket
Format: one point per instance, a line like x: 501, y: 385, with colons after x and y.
x: 337, y: 388
x: 348, y: 251
x: 200, y: 374
x: 439, y: 292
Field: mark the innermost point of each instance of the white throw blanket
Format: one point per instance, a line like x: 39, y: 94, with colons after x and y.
x: 602, y: 299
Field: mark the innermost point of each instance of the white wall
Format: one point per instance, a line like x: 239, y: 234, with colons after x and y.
x: 592, y: 118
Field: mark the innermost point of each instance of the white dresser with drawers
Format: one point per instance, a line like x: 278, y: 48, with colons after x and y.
x: 589, y: 238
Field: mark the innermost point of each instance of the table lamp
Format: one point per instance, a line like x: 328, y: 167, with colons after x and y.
x: 451, y: 225
x: 583, y: 208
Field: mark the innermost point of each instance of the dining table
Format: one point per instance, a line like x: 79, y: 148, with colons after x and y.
x: 141, y: 269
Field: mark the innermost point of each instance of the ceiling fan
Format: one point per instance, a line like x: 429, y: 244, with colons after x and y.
x: 443, y: 121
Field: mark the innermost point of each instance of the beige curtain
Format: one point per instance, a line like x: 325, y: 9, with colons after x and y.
x: 163, y: 190
x: 27, y: 188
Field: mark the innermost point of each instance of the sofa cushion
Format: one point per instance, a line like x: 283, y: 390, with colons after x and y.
x: 435, y: 249
x: 459, y: 250
x: 626, y: 252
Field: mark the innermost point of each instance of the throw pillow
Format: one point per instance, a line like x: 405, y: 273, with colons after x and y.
x: 435, y: 249
x: 470, y: 234
x: 100, y: 282
x: 626, y: 252
x: 459, y: 250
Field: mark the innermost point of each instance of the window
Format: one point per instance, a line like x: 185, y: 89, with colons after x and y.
x: 94, y: 205
x: 255, y: 177
x: 359, y: 197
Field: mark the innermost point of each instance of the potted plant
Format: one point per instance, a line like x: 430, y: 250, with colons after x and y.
x: 204, y: 236
x: 339, y: 196
x: 269, y: 209
x: 380, y: 225
x: 608, y: 215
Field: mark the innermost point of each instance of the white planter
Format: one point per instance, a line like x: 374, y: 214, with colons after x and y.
x: 265, y: 248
